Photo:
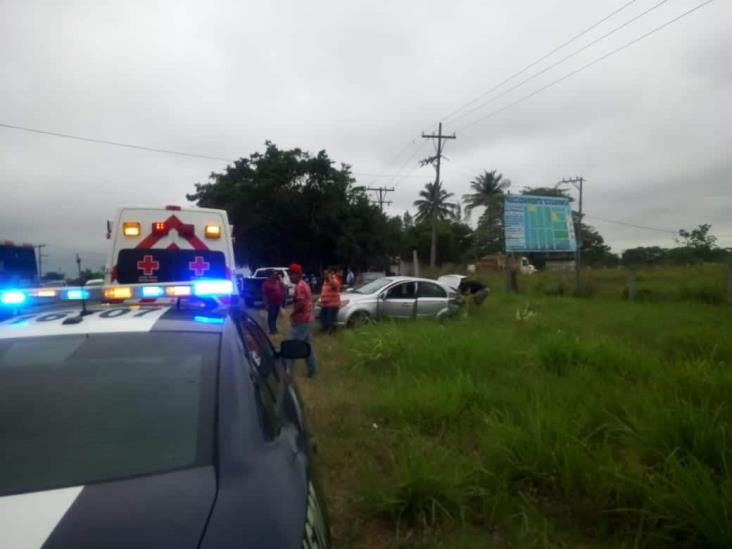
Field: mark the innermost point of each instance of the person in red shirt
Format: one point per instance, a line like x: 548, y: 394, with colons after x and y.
x: 330, y: 301
x: 301, y: 317
x: 273, y: 297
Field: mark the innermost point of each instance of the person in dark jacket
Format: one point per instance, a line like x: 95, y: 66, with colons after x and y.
x: 273, y: 297
x: 474, y: 288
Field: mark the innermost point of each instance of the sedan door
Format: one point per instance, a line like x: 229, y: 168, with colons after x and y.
x: 431, y: 299
x: 399, y: 301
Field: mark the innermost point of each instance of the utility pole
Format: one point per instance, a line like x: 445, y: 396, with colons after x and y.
x: 78, y: 265
x: 437, y: 160
x: 382, y: 193
x: 577, y: 182
x: 40, y: 260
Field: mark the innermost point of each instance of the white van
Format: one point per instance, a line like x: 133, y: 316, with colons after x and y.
x: 169, y: 244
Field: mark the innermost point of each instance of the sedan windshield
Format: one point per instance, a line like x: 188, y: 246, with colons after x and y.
x: 373, y: 286
x: 90, y: 408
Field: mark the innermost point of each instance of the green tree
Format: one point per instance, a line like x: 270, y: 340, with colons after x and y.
x: 433, y: 206
x: 698, y: 238
x: 488, y: 191
x: 289, y: 205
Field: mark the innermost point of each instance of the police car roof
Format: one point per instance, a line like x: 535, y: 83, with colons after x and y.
x: 65, y: 319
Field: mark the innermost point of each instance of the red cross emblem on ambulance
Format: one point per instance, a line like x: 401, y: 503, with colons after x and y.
x: 199, y: 266
x: 148, y: 265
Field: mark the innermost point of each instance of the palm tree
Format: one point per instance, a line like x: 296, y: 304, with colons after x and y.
x: 434, y: 207
x: 488, y: 189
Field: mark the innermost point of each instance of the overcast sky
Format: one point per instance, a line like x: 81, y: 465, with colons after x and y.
x: 649, y: 128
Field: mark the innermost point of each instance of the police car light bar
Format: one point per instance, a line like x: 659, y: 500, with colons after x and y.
x: 196, y: 288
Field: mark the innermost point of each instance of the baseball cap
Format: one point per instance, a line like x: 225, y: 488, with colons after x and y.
x: 296, y: 268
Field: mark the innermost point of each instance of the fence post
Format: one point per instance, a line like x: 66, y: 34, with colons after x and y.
x: 632, y: 285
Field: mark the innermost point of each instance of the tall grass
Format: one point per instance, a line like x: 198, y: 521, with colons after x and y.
x: 552, y: 421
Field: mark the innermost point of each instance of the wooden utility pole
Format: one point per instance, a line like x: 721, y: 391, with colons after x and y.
x: 577, y: 182
x: 382, y: 193
x: 437, y: 160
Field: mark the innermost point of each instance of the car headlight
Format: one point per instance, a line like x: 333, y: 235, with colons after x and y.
x: 344, y: 302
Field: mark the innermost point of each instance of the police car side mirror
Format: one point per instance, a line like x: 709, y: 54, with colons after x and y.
x: 294, y: 348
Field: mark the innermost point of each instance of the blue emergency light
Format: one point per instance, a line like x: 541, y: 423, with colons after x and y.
x: 76, y: 294
x: 12, y: 297
x: 152, y: 291
x: 207, y: 288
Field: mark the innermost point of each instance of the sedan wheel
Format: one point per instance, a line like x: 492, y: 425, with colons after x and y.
x: 359, y: 318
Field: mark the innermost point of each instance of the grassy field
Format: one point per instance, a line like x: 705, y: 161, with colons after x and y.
x: 536, y: 420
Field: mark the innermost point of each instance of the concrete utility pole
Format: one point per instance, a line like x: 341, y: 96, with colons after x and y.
x: 437, y: 159
x: 382, y: 193
x: 577, y: 182
x: 40, y: 260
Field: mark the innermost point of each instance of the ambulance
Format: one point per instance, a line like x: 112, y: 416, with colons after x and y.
x: 152, y: 246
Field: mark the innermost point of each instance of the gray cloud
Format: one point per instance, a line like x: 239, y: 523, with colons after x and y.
x: 649, y: 128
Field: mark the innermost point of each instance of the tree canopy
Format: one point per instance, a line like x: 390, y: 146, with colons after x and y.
x: 289, y: 205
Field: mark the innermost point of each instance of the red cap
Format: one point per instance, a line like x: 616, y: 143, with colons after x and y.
x: 296, y: 268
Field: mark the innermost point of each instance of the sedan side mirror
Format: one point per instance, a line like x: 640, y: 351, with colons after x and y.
x: 294, y: 348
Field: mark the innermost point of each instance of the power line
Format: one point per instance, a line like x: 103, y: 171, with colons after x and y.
x: 645, y: 227
x: 542, y: 58
x: 561, y: 61
x: 112, y: 143
x: 634, y: 225
x: 586, y: 66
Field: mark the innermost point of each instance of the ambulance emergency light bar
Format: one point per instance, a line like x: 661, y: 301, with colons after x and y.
x: 133, y: 229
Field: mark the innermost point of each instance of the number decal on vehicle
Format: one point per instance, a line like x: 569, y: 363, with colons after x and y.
x: 114, y: 313
x: 315, y: 530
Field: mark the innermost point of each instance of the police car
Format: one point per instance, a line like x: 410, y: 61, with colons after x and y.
x: 152, y: 414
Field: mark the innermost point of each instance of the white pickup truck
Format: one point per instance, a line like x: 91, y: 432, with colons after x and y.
x: 251, y: 288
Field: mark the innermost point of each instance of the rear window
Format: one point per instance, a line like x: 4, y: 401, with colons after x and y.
x: 81, y: 409
x: 17, y: 266
x: 137, y: 266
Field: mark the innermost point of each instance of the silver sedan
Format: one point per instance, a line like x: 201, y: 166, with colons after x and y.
x: 398, y: 297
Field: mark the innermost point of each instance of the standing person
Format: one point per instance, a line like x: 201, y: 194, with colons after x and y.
x: 350, y: 277
x: 285, y: 289
x: 302, y: 314
x: 330, y: 301
x: 273, y: 297
x: 474, y: 288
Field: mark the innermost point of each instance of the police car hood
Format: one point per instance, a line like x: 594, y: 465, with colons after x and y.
x: 164, y: 510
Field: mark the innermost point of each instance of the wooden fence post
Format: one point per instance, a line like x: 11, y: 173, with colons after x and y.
x: 632, y: 285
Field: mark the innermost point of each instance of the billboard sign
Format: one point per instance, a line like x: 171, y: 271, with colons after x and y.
x: 538, y: 224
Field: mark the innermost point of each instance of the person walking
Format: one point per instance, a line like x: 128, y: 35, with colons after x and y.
x: 350, y: 277
x: 302, y: 315
x: 273, y: 297
x: 330, y: 302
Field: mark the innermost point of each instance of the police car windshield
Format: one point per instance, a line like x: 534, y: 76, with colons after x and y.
x: 89, y: 408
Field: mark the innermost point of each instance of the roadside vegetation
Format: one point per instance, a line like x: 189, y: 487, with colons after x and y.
x: 538, y: 419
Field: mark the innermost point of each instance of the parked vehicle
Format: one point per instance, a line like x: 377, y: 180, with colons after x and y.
x: 251, y: 286
x: 398, y: 297
x: 17, y: 265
